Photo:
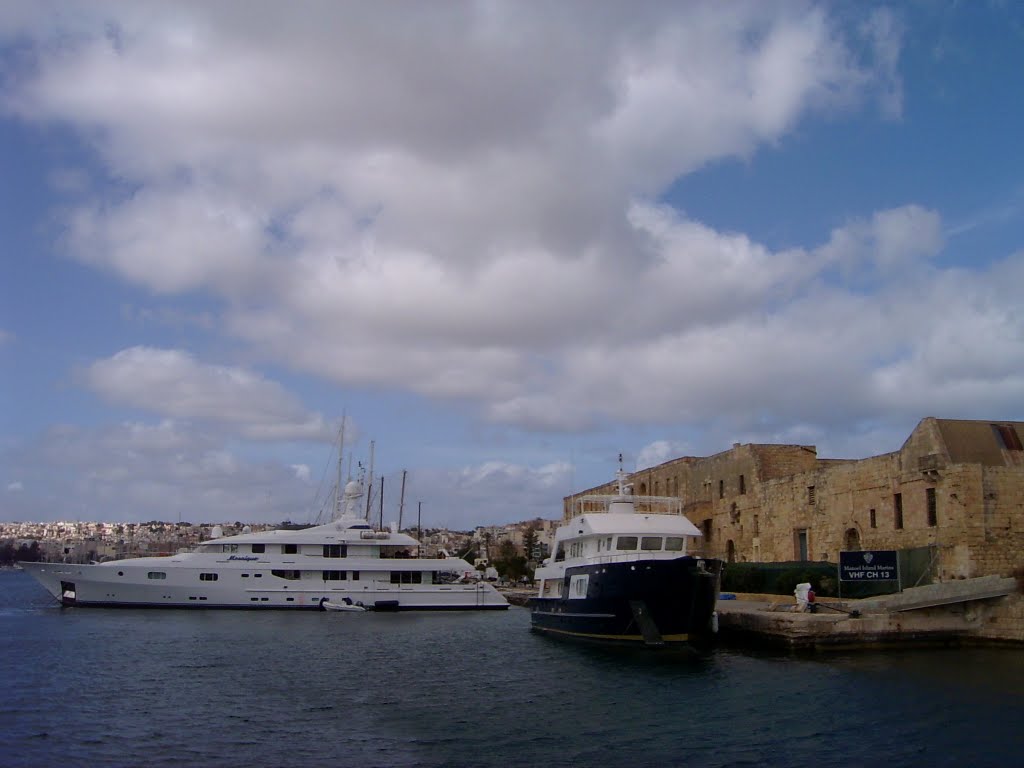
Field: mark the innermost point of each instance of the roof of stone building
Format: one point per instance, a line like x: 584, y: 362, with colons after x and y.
x: 981, y: 442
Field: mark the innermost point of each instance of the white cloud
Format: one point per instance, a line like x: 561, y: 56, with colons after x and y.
x: 659, y: 452
x: 15, y: 487
x: 891, y: 240
x: 164, y: 471
x: 173, y: 383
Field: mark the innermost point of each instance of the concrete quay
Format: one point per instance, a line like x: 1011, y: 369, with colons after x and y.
x: 988, y: 610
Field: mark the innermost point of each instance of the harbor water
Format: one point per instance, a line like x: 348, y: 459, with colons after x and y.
x: 107, y: 687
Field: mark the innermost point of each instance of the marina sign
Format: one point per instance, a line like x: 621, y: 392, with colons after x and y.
x: 869, y: 565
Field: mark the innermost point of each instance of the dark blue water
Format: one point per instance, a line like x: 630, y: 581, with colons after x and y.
x: 224, y: 688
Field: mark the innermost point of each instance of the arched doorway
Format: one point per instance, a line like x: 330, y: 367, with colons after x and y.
x: 730, y: 552
x: 851, y: 542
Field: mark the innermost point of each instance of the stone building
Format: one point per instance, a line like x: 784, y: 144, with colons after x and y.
x: 954, y: 491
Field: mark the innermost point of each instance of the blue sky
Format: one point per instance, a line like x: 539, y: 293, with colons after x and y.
x: 508, y: 240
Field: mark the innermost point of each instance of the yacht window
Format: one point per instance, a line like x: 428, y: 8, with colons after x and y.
x: 650, y: 543
x: 156, y: 575
x: 355, y: 575
x: 334, y: 576
x: 560, y: 553
x: 674, y: 543
x: 626, y: 542
x: 290, y: 575
x: 207, y: 576
x: 245, y: 575
x: 259, y: 548
x: 406, y: 577
x: 608, y: 543
x: 258, y: 575
x: 229, y: 548
x: 289, y: 549
x: 334, y: 550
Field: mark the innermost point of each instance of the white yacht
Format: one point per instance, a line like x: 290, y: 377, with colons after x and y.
x: 623, y: 572
x: 345, y: 562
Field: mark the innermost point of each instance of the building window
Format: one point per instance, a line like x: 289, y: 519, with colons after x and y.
x: 812, y: 496
x: 1007, y: 437
x: 289, y: 549
x: 933, y: 518
x: 897, y: 510
x: 207, y: 576
x: 743, y: 485
x: 721, y: 489
x: 707, y: 528
x: 873, y: 520
x: 334, y: 550
x: 258, y: 549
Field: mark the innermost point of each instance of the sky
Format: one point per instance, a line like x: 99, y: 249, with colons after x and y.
x: 506, y: 241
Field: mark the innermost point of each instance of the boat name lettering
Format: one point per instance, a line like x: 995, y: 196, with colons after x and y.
x: 243, y: 557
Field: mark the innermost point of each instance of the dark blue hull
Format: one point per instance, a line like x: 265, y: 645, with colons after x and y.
x: 647, y: 602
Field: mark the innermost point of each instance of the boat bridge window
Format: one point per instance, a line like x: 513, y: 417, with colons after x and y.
x: 335, y: 550
x: 289, y: 549
x: 335, y: 575
x: 674, y: 543
x: 406, y: 577
x: 650, y: 543
x: 207, y: 576
x: 156, y: 575
x: 560, y: 553
x: 290, y: 575
x: 626, y: 542
x: 259, y: 548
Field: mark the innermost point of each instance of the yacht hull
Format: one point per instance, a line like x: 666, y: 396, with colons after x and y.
x: 642, y: 602
x: 125, y: 585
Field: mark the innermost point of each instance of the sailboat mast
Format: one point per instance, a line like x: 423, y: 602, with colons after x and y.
x: 369, y: 484
x: 401, y: 501
x: 338, y: 489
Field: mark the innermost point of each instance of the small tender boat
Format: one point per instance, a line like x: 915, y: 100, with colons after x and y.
x: 622, y: 572
x: 345, y: 605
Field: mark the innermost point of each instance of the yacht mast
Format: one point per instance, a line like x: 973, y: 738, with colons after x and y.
x: 338, y: 488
